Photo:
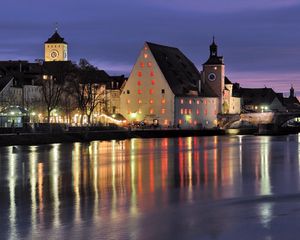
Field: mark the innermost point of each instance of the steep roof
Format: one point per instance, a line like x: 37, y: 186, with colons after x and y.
x: 56, y: 38
x: 4, y: 81
x: 180, y: 73
x: 292, y: 103
x: 257, y: 96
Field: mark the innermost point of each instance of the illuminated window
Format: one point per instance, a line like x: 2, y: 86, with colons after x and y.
x: 128, y: 101
x: 151, y: 91
x: 190, y: 111
x: 197, y: 112
x: 180, y: 121
x: 151, y: 101
x: 139, y: 83
x: 139, y: 91
x: 190, y: 101
x: 142, y: 64
x: 206, y: 122
x: 140, y: 111
x: 205, y: 102
x: 181, y: 101
x: 151, y: 111
x: 185, y: 111
x: 149, y: 64
x: 181, y: 111
x: 195, y: 122
x: 145, y: 48
x: 145, y: 55
x: 152, y: 82
x: 139, y: 101
x: 152, y: 74
x: 205, y: 112
x: 163, y: 110
x: 163, y: 101
x: 163, y: 91
x: 166, y: 122
x: 190, y: 122
x: 139, y: 73
x: 198, y: 102
x: 129, y: 112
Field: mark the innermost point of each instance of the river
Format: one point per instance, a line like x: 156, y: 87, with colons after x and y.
x: 220, y: 187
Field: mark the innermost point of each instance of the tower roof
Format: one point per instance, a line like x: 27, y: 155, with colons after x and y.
x: 214, y: 59
x: 56, y: 38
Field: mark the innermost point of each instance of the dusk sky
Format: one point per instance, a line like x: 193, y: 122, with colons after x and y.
x: 259, y: 39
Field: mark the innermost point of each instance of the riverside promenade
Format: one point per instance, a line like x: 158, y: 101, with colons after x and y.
x: 86, y: 135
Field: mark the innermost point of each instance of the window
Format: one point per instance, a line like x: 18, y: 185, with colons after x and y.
x: 140, y: 111
x: 163, y: 110
x: 197, y: 112
x: 149, y: 64
x: 151, y: 91
x: 128, y: 101
x: 152, y: 74
x: 142, y: 64
x: 195, y: 122
x: 139, y: 101
x: 139, y: 83
x: 181, y: 111
x: 151, y: 101
x: 190, y: 111
x: 151, y: 111
x: 152, y: 82
x: 190, y: 101
x: 198, y: 102
x: 181, y: 101
x: 139, y: 73
x: 139, y: 91
x: 128, y: 91
x: 185, y: 111
x: 166, y: 122
x: 145, y: 55
x: 179, y: 121
x: 163, y: 91
x: 205, y: 112
x: 163, y: 101
x: 205, y: 102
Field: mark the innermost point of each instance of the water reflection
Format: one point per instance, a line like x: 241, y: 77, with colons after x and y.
x: 114, y: 185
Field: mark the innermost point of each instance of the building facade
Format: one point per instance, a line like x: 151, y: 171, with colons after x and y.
x: 165, y: 87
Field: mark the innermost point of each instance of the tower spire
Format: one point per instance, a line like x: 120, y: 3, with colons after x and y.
x: 56, y: 26
x: 213, y: 48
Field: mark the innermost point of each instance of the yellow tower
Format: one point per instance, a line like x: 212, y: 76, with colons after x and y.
x: 56, y: 49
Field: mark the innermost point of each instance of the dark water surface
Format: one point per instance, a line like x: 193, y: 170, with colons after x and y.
x: 239, y: 187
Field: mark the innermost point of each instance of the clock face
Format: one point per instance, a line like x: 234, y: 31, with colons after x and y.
x: 54, y: 54
x: 212, y: 77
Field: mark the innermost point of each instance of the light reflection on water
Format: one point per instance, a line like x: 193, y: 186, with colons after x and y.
x: 176, y: 188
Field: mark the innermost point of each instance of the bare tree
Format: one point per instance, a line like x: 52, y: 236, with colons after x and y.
x: 88, y: 88
x: 51, y: 91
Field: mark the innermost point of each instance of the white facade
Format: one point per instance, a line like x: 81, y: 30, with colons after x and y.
x: 147, y: 95
x: 196, y: 112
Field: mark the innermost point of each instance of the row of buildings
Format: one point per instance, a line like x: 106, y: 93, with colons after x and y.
x: 163, y: 88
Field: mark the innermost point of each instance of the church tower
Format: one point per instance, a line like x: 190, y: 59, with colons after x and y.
x: 213, y: 73
x: 56, y: 49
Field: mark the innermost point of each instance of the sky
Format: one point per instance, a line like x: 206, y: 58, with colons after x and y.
x: 259, y: 39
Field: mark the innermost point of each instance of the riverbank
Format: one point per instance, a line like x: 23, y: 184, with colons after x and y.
x: 86, y: 136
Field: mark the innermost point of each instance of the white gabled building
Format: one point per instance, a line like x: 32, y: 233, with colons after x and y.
x: 165, y: 87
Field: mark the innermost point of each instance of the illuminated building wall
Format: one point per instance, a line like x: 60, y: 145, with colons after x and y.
x: 200, y: 112
x: 147, y: 95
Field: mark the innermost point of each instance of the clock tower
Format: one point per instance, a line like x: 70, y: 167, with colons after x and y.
x: 56, y: 49
x: 213, y: 73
